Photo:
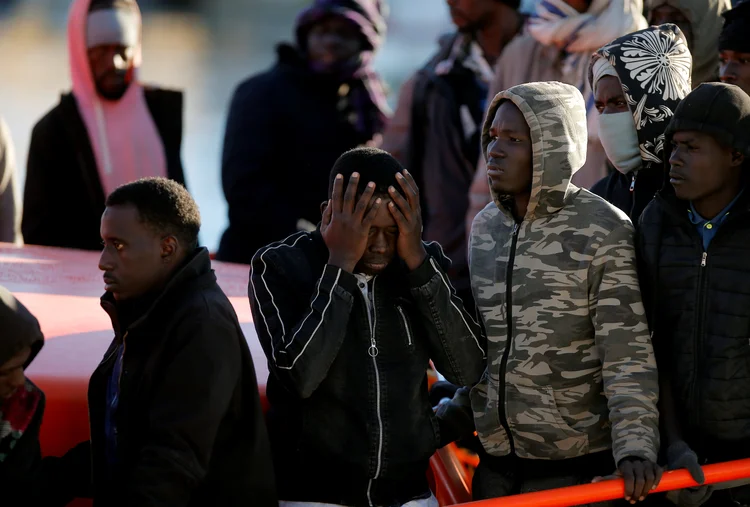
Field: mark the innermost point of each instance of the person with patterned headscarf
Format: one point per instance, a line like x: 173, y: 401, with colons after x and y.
x: 638, y: 80
x: 556, y: 46
x: 700, y: 22
x: 325, y: 90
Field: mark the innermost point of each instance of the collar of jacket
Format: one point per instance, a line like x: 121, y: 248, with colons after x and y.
x: 677, y: 207
x: 198, y: 265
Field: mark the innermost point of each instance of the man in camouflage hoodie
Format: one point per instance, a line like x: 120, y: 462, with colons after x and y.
x: 571, y: 380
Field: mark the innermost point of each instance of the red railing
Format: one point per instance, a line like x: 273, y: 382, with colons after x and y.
x: 615, y: 489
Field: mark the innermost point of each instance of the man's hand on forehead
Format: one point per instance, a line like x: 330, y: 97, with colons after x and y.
x: 346, y: 222
x: 407, y: 213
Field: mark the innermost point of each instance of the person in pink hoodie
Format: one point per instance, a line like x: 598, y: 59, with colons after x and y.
x: 110, y: 130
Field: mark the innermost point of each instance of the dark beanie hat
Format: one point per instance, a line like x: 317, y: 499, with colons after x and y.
x: 718, y: 109
x: 372, y: 164
x: 735, y: 36
x: 368, y: 15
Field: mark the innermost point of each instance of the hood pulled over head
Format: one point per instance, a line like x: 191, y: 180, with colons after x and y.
x: 18, y: 328
x: 556, y: 115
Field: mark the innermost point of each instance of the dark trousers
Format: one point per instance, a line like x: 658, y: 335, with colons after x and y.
x: 510, y: 475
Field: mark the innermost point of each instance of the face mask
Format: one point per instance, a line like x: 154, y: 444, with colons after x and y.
x: 620, y: 141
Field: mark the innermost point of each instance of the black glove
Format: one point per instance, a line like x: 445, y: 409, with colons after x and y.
x: 455, y: 418
x: 681, y: 456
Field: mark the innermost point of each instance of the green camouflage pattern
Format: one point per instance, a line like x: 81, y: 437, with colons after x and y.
x: 581, y: 375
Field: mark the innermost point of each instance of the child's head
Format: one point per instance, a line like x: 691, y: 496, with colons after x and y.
x: 20, y: 340
x: 710, y: 137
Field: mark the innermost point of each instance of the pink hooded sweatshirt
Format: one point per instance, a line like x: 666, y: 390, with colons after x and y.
x: 124, y: 138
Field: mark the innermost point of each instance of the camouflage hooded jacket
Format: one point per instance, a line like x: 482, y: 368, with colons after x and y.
x: 570, y: 367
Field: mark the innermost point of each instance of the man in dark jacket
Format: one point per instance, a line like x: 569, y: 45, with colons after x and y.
x: 734, y: 47
x: 435, y: 130
x: 349, y: 316
x: 633, y: 112
x: 325, y: 88
x: 110, y: 130
x: 174, y: 408
x: 693, y: 244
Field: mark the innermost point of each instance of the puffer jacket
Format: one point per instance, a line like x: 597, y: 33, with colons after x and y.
x: 570, y: 368
x: 700, y: 318
x: 652, y: 104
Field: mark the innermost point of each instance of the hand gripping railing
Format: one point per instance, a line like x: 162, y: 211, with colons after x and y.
x: 615, y: 489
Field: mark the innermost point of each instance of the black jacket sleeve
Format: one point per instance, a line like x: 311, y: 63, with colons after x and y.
x: 250, y: 172
x: 455, y: 340
x: 301, y: 341
x: 186, y: 411
x: 40, y: 225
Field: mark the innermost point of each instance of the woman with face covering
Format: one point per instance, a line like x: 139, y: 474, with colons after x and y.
x: 638, y: 80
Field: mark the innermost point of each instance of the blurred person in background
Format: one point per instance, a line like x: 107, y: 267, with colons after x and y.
x: 291, y: 123
x: 700, y: 22
x: 10, y: 203
x: 109, y: 131
x: 734, y: 47
x: 557, y: 46
x: 634, y: 112
x: 436, y: 127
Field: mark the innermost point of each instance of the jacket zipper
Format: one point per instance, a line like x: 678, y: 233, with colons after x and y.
x: 632, y: 181
x: 406, y: 324
x: 91, y: 433
x: 695, y: 391
x: 373, y: 353
x: 509, y: 340
x: 121, y: 359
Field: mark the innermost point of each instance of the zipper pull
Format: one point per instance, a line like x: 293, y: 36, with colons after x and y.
x: 373, y: 349
x: 515, y: 229
x: 703, y: 259
x: 632, y: 183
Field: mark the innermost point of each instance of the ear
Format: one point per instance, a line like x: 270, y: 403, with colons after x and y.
x: 170, y: 247
x: 737, y: 158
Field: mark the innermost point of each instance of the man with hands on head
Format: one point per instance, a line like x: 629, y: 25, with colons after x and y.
x: 349, y: 317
